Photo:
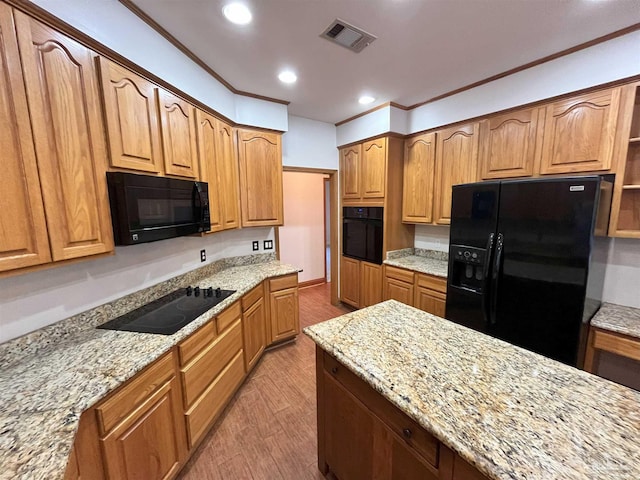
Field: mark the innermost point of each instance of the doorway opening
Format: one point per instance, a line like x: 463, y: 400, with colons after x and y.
x: 308, y: 238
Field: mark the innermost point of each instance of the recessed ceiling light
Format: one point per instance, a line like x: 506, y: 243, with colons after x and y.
x: 366, y: 99
x: 237, y: 13
x: 287, y: 76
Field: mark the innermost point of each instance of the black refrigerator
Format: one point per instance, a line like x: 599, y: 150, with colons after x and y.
x: 527, y: 261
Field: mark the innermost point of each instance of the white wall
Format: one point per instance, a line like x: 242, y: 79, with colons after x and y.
x: 34, y: 300
x: 309, y: 143
x: 302, y: 239
x: 113, y: 25
x: 370, y: 125
x: 431, y: 237
x: 602, y: 63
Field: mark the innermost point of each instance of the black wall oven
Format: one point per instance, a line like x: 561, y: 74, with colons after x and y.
x: 362, y: 233
x: 146, y: 208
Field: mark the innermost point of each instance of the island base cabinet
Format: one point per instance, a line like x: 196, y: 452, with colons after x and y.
x: 362, y: 436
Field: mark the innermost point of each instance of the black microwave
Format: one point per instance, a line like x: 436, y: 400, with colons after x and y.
x: 146, y: 208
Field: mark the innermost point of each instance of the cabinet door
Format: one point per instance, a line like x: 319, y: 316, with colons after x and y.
x: 229, y: 194
x: 419, y: 170
x: 61, y: 87
x: 350, y: 281
x: 509, y: 144
x: 23, y: 231
x: 579, y: 133
x: 370, y: 284
x: 349, y: 433
x: 284, y: 314
x: 456, y: 162
x: 260, y: 159
x: 398, y: 290
x: 207, y: 136
x: 179, y: 147
x: 350, y: 172
x: 255, y: 336
x: 131, y: 114
x: 374, y: 168
x: 406, y: 464
x: 150, y: 443
x: 431, y: 301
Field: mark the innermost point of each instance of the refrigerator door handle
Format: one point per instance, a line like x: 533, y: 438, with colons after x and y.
x: 486, y: 273
x: 495, y: 276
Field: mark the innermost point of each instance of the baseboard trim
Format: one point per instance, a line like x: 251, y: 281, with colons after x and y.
x: 311, y: 283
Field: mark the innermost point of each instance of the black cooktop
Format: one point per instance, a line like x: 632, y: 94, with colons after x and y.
x: 170, y: 313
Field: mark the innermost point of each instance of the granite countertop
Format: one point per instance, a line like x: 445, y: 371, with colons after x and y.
x: 43, y: 394
x: 419, y: 260
x: 510, y: 412
x: 619, y: 319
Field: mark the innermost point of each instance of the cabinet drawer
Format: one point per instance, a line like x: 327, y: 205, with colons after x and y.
x: 214, y: 399
x: 398, y: 274
x: 226, y: 318
x: 208, y: 365
x: 434, y: 283
x: 280, y: 283
x: 190, y: 347
x: 413, y: 434
x: 134, y: 393
x: 251, y: 297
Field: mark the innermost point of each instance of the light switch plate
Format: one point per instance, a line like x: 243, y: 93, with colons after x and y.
x: 267, y: 244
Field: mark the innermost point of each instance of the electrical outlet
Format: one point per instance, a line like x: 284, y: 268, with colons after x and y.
x: 267, y: 244
x: 256, y: 245
x: 203, y: 255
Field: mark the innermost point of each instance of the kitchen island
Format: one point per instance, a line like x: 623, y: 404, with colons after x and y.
x: 431, y: 392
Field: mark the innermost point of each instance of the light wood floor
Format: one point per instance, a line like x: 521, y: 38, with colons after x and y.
x: 268, y: 431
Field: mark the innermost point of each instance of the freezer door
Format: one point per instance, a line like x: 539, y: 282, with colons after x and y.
x: 474, y: 216
x: 540, y: 268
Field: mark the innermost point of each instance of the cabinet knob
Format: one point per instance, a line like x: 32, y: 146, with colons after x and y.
x: 334, y: 370
x: 407, y: 433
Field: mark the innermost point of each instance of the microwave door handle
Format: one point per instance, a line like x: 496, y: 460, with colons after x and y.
x: 199, y: 194
x: 486, y: 275
x: 495, y: 277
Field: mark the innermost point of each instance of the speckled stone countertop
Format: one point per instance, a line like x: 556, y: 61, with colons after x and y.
x: 510, y: 412
x: 43, y: 394
x: 619, y: 319
x: 423, y: 261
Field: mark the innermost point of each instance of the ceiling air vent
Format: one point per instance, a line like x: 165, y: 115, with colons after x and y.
x: 347, y: 35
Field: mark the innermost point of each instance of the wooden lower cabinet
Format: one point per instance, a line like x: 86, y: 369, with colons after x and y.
x: 254, y: 326
x: 426, y: 292
x: 150, y: 442
x: 370, y: 284
x: 284, y: 322
x: 362, y: 436
x: 350, y: 281
x: 360, y: 282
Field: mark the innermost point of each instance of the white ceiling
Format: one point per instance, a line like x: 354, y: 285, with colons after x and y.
x: 424, y: 48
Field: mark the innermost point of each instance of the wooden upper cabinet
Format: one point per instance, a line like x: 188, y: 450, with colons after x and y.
x: 579, y: 133
x: 63, y: 99
x: 227, y: 175
x: 418, y: 175
x: 260, y: 160
x: 350, y: 172
x: 510, y: 143
x: 373, y: 168
x: 131, y: 114
x: 23, y: 231
x: 177, y: 120
x: 207, y: 134
x: 456, y: 163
